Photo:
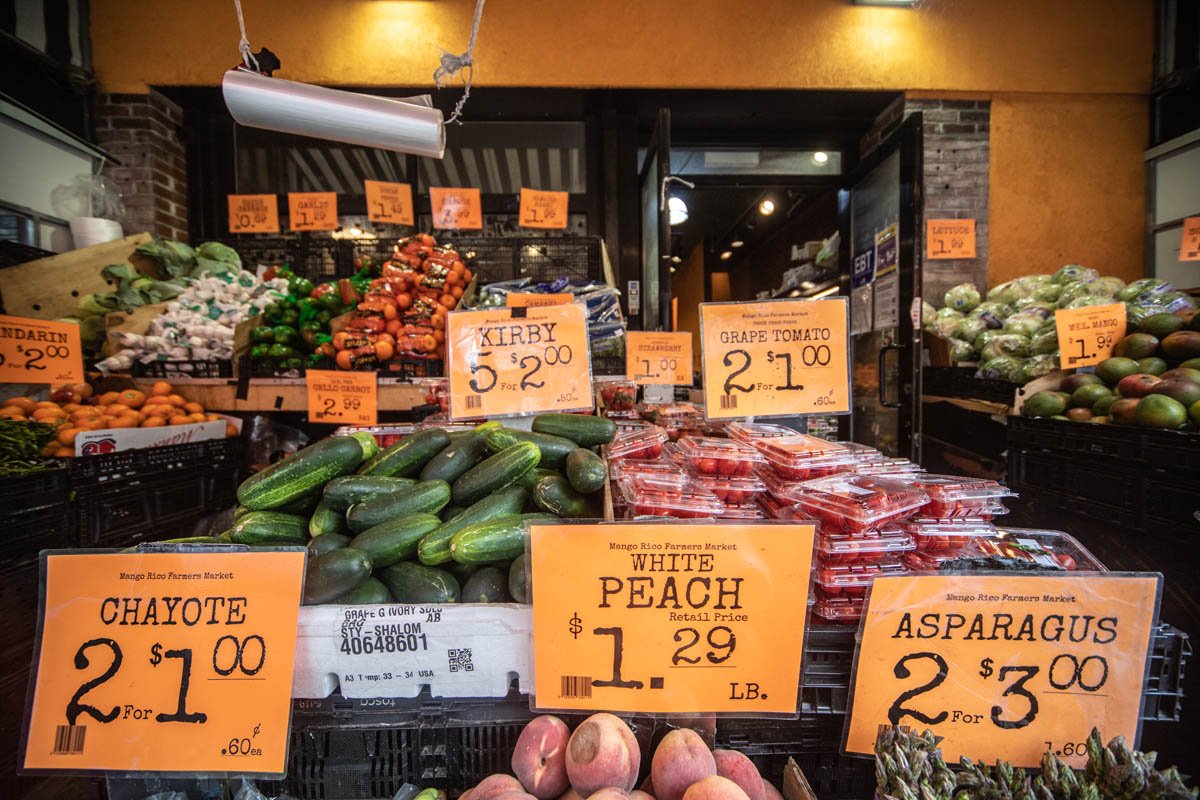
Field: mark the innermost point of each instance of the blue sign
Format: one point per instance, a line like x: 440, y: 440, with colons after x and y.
x: 862, y: 271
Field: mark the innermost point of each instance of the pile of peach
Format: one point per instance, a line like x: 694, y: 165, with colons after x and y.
x: 601, y: 760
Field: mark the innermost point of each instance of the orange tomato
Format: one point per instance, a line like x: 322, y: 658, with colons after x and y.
x: 64, y: 452
x: 48, y: 404
x: 112, y: 409
x: 163, y: 410
x: 71, y: 408
x: 90, y: 424
x: 153, y: 422
x: 108, y: 398
x: 176, y: 400
x: 84, y: 390
x: 47, y: 414
x: 179, y: 419
x: 193, y: 408
x: 161, y: 389
x: 124, y: 421
x: 344, y: 360
x: 133, y: 398
x: 67, y: 435
x: 24, y: 404
x: 211, y: 417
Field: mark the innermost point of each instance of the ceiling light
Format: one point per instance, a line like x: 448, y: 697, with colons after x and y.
x: 676, y: 260
x: 736, y: 243
x: 766, y: 207
x: 820, y: 157
x: 677, y: 211
x: 898, y: 3
x: 672, y: 269
x: 726, y: 255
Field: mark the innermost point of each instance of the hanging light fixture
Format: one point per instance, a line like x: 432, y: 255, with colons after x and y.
x: 766, y: 207
x: 677, y: 210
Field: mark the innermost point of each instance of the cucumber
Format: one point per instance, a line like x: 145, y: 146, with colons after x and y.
x: 427, y: 497
x: 240, y: 511
x: 371, y: 592
x: 405, y: 458
x: 586, y: 471
x: 461, y: 572
x: 330, y: 576
x: 460, y: 455
x: 269, y: 527
x: 300, y: 474
x: 396, y: 539
x: 553, y: 449
x: 303, y: 506
x: 583, y: 429
x: 341, y: 493
x: 417, y: 583
x: 370, y: 445
x: 495, y: 540
x: 326, y: 543
x: 435, y: 548
x: 555, y: 495
x: 326, y: 520
x: 530, y: 479
x: 518, y: 580
x: 487, y: 585
x: 450, y: 512
x: 193, y: 540
x: 495, y: 472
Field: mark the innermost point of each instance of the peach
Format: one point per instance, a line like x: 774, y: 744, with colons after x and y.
x: 610, y: 793
x: 569, y: 794
x: 681, y: 759
x: 714, y: 787
x: 741, y: 770
x: 514, y: 796
x: 638, y: 794
x: 648, y: 786
x: 770, y: 791
x: 493, y: 786
x: 602, y: 752
x: 540, y: 758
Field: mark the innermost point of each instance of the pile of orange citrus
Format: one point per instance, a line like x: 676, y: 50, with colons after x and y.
x: 84, y: 411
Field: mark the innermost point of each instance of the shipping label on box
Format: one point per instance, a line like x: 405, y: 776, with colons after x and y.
x: 113, y: 440
x: 469, y: 650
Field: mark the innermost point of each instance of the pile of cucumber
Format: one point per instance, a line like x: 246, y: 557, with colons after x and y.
x: 438, y: 517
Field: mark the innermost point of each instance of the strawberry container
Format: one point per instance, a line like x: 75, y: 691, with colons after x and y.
x: 774, y: 508
x: 803, y: 457
x: 617, y: 395
x: 838, y: 609
x: 732, y: 490
x: 676, y: 429
x: 834, y: 549
x: 726, y: 457
x: 754, y: 432
x: 852, y: 580
x: 749, y: 511
x: 853, y: 503
x: 957, y: 496
x: 648, y: 499
x: 946, y: 536
x: 642, y: 443
x: 658, y: 413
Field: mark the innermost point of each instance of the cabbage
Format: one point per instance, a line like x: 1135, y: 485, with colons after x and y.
x: 175, y: 259
x: 1088, y: 300
x: 961, y: 351
x: 1076, y: 289
x: 1048, y: 293
x: 985, y: 337
x: 215, y: 251
x: 1037, y: 306
x: 970, y: 328
x: 1035, y: 367
x: 946, y: 327
x: 1000, y: 369
x: 1024, y: 323
x: 928, y: 314
x: 1007, y: 344
x: 944, y: 313
x: 1135, y: 314
x: 962, y: 297
x: 1145, y: 289
x: 996, y: 293
x: 1177, y: 301
x: 1075, y: 272
x: 1044, y: 342
x: 1113, y: 283
x: 992, y: 313
x: 96, y: 305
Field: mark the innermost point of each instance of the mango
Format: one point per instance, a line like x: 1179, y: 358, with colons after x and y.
x: 715, y: 787
x: 681, y: 759
x: 741, y: 770
x: 539, y: 759
x: 602, y: 752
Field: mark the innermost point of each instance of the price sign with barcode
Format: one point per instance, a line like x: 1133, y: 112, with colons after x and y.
x: 253, y: 213
x: 1004, y: 666
x: 543, y: 209
x: 775, y: 358
x: 669, y: 617
x: 518, y: 361
x: 165, y: 662
x: 312, y: 211
x: 658, y: 357
x: 949, y: 238
x: 456, y: 209
x: 1087, y: 335
x: 389, y: 202
x: 342, y: 398
x: 39, y: 351
x: 1189, y: 240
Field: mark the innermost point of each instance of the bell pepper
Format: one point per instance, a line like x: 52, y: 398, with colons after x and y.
x: 346, y: 292
x: 320, y: 291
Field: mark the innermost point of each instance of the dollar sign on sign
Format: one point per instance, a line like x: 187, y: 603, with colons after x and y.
x: 575, y: 627
x: 986, y: 672
x: 156, y: 654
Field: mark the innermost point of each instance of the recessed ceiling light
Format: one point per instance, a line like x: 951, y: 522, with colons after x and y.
x: 736, y: 243
x: 766, y: 207
x: 726, y: 255
x: 677, y: 211
x: 676, y: 260
x: 820, y: 157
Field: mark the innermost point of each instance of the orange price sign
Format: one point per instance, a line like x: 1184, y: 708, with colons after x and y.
x: 543, y: 209
x: 1004, y: 666
x: 775, y: 358
x: 253, y: 213
x: 1189, y: 242
x: 342, y: 398
x: 1087, y: 335
x: 389, y: 202
x: 165, y: 662
x: 669, y: 617
x: 949, y: 238
x: 533, y: 299
x: 518, y: 361
x: 312, y: 211
x: 39, y: 351
x: 456, y: 209
x: 658, y: 357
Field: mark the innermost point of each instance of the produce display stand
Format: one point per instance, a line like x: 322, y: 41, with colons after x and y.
x: 284, y: 394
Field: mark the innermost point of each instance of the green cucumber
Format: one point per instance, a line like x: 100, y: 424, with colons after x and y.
x: 487, y: 585
x: 554, y: 494
x: 371, y: 592
x: 330, y: 576
x: 341, y: 493
x: 303, y: 506
x: 530, y: 479
x: 300, y: 474
x: 193, y: 540
x: 417, y: 583
x: 583, y: 429
x: 586, y: 471
x: 495, y: 540
x: 426, y: 497
x: 396, y: 539
x: 435, y: 548
x: 461, y: 572
x: 450, y: 512
x: 269, y: 527
x: 407, y: 457
x: 518, y: 580
x: 326, y: 520
x: 552, y: 449
x: 495, y: 472
x: 370, y: 445
x: 240, y: 511
x: 460, y: 455
x: 326, y: 543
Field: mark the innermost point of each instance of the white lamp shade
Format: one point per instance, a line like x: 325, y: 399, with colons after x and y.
x: 677, y: 211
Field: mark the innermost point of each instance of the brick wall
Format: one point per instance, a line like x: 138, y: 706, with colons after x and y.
x: 142, y: 131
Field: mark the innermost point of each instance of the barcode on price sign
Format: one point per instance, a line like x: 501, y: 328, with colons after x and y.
x: 576, y: 686
x: 474, y: 401
x: 729, y: 401
x: 68, y: 739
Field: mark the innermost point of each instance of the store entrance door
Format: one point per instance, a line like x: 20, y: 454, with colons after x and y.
x: 655, y: 291
x: 880, y: 222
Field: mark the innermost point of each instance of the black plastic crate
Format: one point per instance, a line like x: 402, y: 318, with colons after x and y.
x: 961, y: 382
x: 1170, y: 500
x: 539, y: 258
x: 152, y: 462
x: 33, y: 491
x: 1176, y: 450
x: 807, y: 734
x: 1169, y: 654
x: 43, y: 529
x: 183, y: 368
x: 13, y: 253
x: 1034, y: 469
x: 1041, y: 433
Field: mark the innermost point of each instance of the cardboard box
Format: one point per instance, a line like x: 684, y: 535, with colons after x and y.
x: 114, y: 440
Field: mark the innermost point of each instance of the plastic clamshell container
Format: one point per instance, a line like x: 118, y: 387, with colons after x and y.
x: 659, y: 470
x: 888, y: 466
x: 676, y: 429
x: 732, y: 490
x: 957, y: 496
x: 689, y: 502
x: 775, y: 508
x: 946, y: 536
x: 620, y: 416
x: 752, y: 432
x: 1049, y: 548
x: 746, y: 511
x: 617, y: 394
x: 658, y: 413
x: 870, y: 548
x: 856, y: 503
x: 641, y: 443
x: 839, y: 609
x: 803, y: 457
x: 852, y: 580
x: 927, y: 562
x: 709, y: 456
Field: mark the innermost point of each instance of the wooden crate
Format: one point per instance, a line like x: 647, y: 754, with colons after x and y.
x: 51, y: 287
